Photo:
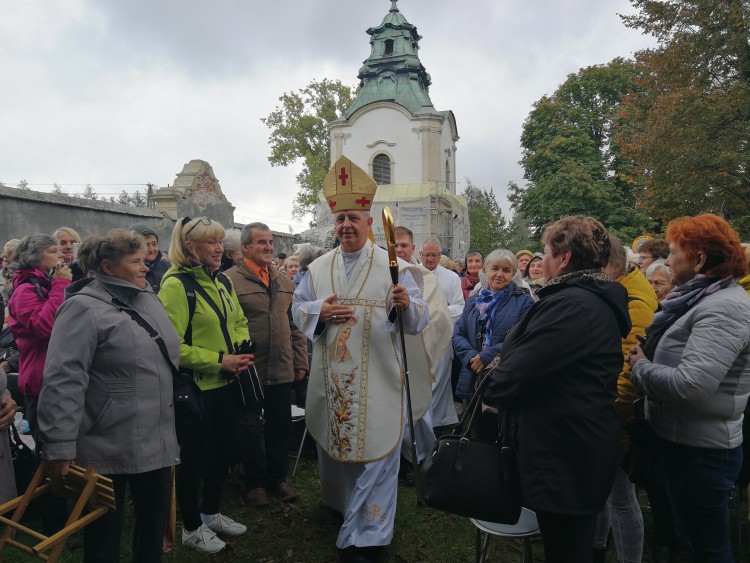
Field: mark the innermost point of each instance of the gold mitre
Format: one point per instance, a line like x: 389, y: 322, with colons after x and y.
x: 347, y: 186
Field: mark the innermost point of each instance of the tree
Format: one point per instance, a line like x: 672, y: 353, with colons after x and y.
x: 57, y: 189
x: 489, y: 229
x: 138, y: 200
x: 520, y: 234
x: 89, y: 193
x: 124, y: 198
x: 299, y: 131
x: 23, y: 185
x: 571, y: 163
x: 686, y: 127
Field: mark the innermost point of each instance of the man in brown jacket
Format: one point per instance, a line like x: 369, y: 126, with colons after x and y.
x: 265, y: 295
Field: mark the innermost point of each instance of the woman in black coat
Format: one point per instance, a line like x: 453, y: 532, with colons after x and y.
x: 558, y: 377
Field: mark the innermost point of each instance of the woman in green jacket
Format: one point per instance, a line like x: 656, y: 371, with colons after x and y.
x: 195, y: 252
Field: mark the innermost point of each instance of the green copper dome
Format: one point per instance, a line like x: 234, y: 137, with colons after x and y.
x: 393, y: 71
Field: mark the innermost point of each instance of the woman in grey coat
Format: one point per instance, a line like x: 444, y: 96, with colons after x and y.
x: 106, y: 399
x: 694, y: 366
x: 7, y: 413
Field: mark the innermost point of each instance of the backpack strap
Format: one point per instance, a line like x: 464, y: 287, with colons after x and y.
x: 189, y: 283
x: 192, y: 287
x: 34, y: 280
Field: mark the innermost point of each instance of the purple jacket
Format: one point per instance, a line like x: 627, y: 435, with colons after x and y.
x: 30, y: 318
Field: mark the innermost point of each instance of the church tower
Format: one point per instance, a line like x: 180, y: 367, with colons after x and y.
x: 393, y: 131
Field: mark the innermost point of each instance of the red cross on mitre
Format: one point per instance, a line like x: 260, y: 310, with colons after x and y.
x: 331, y: 204
x: 343, y: 176
x: 363, y: 201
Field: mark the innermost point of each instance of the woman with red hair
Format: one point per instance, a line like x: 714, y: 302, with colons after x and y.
x: 694, y: 366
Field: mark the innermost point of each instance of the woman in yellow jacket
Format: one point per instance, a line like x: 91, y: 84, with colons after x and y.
x: 195, y: 252
x: 622, y: 512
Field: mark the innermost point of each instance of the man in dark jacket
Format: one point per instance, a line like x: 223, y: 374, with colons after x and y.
x: 558, y: 377
x: 265, y: 295
x: 157, y: 264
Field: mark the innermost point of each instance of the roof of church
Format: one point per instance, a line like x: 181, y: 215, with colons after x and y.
x: 393, y: 71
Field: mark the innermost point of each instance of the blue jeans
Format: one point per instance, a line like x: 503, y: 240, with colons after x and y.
x: 699, y: 481
x: 623, y: 514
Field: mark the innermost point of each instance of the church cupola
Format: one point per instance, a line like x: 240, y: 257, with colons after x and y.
x: 393, y: 71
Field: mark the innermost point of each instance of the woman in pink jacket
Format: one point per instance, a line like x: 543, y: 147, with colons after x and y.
x: 37, y: 294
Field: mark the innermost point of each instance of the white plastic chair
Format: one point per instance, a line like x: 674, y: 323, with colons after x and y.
x: 526, y: 528
x: 298, y: 414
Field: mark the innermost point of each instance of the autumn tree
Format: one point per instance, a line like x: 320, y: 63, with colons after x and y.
x: 299, y: 131
x: 686, y: 127
x: 571, y: 163
x: 489, y: 229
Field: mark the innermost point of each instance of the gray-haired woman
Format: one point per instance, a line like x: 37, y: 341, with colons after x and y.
x: 106, y: 401
x: 659, y: 276
x: 37, y: 294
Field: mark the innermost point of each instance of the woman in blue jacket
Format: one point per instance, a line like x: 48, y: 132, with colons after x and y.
x: 479, y: 334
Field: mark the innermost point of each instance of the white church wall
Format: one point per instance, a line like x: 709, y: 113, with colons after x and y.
x: 381, y: 127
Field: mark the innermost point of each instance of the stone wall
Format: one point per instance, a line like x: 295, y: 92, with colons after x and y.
x: 25, y: 212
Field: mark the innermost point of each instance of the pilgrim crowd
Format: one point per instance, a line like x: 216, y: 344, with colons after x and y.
x: 579, y: 341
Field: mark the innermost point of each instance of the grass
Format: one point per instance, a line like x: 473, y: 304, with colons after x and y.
x: 305, y: 532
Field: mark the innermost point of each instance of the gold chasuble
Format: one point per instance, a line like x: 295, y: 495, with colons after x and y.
x: 355, y: 402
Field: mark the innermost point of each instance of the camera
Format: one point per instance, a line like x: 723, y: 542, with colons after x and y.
x: 245, y: 347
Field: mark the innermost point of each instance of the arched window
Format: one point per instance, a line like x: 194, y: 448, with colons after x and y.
x: 381, y: 169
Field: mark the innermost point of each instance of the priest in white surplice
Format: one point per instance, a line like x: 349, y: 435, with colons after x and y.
x: 355, y: 402
x: 443, y: 407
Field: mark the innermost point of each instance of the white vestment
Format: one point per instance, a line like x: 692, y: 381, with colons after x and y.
x: 443, y: 407
x: 355, y: 398
x: 437, y: 337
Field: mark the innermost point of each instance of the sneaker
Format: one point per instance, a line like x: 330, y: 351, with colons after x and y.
x: 202, y: 540
x: 226, y: 526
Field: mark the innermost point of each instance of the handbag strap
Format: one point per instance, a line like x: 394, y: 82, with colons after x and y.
x: 467, y: 419
x: 155, y: 336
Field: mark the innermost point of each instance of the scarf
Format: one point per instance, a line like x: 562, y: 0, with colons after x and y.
x: 676, y: 304
x: 488, y: 302
x: 594, y: 273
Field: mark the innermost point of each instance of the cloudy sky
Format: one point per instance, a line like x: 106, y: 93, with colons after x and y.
x: 118, y: 93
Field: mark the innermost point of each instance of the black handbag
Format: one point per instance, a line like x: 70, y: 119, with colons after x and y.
x: 642, y: 462
x: 25, y: 462
x: 472, y: 478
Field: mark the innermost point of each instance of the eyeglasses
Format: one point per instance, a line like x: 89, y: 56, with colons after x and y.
x: 202, y: 220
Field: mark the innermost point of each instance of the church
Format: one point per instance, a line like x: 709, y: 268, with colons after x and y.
x: 393, y: 131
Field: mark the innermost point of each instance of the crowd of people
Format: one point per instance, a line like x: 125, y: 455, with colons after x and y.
x: 574, y: 340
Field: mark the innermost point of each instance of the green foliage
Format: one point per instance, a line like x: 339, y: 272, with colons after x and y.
x: 489, y: 229
x: 520, y: 235
x: 299, y: 131
x: 686, y: 126
x: 571, y: 163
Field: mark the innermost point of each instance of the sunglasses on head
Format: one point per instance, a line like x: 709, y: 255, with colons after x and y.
x: 202, y: 220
